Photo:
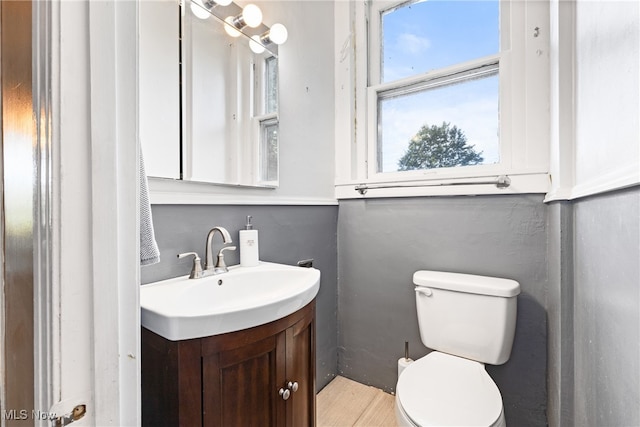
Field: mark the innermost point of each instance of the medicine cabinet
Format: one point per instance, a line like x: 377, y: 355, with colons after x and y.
x: 208, y: 102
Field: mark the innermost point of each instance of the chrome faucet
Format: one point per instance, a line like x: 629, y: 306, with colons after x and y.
x: 210, y: 269
x: 220, y: 266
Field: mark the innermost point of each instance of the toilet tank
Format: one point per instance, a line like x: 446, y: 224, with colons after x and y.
x: 466, y: 315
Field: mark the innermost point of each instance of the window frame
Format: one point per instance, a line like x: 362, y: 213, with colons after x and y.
x: 523, y: 99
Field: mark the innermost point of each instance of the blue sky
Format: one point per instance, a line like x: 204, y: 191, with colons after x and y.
x: 429, y: 35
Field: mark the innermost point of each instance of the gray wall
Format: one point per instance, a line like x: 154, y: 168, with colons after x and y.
x: 594, y: 310
x: 560, y: 313
x: 381, y: 243
x: 286, y: 234
x: 607, y: 310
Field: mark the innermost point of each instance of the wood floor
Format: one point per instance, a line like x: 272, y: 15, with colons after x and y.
x: 346, y: 403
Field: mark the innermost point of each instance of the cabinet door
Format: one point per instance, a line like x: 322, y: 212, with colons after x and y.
x: 240, y: 385
x: 301, y: 364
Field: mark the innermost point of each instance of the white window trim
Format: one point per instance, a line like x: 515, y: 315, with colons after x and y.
x: 524, y: 100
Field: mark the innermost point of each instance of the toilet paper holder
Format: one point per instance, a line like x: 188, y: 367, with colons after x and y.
x: 405, y: 361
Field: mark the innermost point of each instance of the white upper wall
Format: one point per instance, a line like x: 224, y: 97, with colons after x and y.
x: 306, y: 102
x: 595, y: 97
x: 607, y: 95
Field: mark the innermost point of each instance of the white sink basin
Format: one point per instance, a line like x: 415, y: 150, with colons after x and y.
x: 183, y: 308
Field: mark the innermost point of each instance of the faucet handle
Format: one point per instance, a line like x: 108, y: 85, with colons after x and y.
x: 196, y: 270
x: 231, y: 248
x: 220, y: 261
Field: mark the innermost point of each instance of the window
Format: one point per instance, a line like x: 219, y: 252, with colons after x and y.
x: 437, y: 88
x: 416, y: 37
x: 443, y: 90
x: 440, y: 125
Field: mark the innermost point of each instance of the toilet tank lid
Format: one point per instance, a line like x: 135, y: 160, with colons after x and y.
x: 469, y: 283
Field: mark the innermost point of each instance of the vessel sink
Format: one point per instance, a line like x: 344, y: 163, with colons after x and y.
x: 183, y: 308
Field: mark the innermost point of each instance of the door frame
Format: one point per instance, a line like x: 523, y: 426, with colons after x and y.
x: 86, y: 266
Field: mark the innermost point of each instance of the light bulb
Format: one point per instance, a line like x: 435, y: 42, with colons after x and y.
x: 197, y: 8
x: 230, y: 28
x: 255, y: 45
x: 252, y: 15
x: 278, y: 33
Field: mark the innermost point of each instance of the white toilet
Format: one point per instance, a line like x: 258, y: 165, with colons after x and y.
x: 468, y: 321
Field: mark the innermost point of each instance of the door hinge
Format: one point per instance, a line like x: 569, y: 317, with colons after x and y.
x: 76, y: 413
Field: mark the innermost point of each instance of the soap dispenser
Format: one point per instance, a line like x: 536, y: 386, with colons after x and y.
x: 249, y: 253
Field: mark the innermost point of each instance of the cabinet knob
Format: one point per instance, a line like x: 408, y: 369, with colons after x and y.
x: 293, y: 386
x: 285, y: 393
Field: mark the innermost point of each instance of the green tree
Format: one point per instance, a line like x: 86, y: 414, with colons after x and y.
x: 439, y: 147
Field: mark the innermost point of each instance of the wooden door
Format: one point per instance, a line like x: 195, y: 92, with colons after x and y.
x: 240, y: 385
x: 17, y: 229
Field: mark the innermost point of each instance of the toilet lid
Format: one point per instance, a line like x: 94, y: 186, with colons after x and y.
x: 444, y: 390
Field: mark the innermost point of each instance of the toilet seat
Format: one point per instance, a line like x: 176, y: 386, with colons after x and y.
x: 444, y: 390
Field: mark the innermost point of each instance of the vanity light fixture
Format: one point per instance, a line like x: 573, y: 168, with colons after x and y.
x: 277, y: 34
x: 230, y: 28
x: 251, y: 16
x: 202, y: 8
x: 256, y: 46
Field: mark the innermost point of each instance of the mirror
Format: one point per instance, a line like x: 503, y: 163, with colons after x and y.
x: 229, y: 98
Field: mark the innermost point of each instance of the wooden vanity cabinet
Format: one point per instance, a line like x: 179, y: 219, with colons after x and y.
x: 235, y: 379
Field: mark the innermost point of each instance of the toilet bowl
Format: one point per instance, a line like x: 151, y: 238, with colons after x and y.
x: 444, y: 390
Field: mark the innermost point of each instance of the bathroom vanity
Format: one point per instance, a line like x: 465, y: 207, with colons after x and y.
x: 261, y: 376
x: 232, y: 349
